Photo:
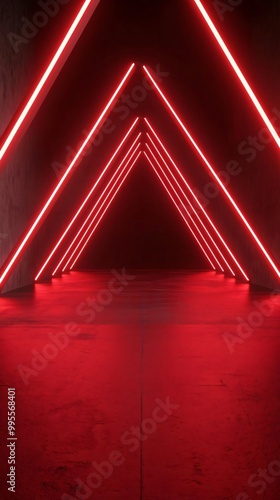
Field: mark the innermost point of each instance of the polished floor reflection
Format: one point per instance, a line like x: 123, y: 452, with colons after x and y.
x: 193, y: 358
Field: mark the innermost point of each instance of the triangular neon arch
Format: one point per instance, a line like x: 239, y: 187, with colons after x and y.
x: 14, y: 257
x: 81, y: 248
x: 195, y: 212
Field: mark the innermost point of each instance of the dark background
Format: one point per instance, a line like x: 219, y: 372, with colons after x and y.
x: 142, y: 229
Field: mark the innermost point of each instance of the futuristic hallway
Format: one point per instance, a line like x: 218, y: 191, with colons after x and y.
x: 160, y: 337
x: 139, y: 250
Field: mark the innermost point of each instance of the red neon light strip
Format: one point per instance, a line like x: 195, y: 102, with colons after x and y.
x: 238, y: 71
x: 189, y: 215
x: 235, y: 206
x: 48, y: 205
x: 86, y: 199
x: 99, y: 210
x: 191, y: 206
x: 52, y: 71
x: 95, y: 227
x: 96, y: 204
x: 197, y: 201
x: 179, y: 210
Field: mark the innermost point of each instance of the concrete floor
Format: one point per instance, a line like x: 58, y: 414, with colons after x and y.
x: 158, y: 338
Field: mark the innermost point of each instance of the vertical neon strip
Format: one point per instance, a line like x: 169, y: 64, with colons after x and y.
x: 210, y: 168
x: 179, y: 210
x: 86, y: 199
x: 13, y: 259
x: 95, y: 227
x: 197, y: 200
x: 238, y: 71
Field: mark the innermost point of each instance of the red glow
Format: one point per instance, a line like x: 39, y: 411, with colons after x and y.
x: 95, y: 206
x: 52, y: 71
x: 188, y: 213
x: 191, y: 206
x: 179, y: 210
x: 238, y: 71
x: 210, y: 168
x: 103, y: 213
x: 61, y: 184
x: 197, y: 201
x: 86, y: 199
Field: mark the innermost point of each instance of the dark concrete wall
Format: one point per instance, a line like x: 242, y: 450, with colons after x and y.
x: 27, y: 176
x: 17, y: 174
x: 258, y: 186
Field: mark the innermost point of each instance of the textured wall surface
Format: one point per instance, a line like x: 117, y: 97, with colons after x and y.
x: 17, y: 173
x: 27, y: 174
